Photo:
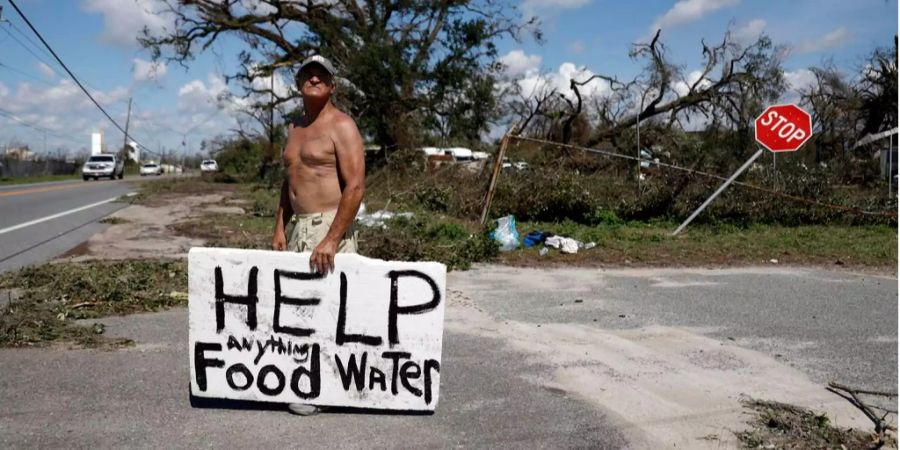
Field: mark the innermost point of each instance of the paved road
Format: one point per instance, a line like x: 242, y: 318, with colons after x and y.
x: 832, y: 325
x: 138, y: 398
x: 44, y: 235
x: 827, y: 324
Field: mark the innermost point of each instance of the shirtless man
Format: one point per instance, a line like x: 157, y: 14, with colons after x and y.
x: 324, y: 179
x: 324, y: 174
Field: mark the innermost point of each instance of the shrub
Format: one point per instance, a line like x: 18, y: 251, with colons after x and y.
x: 428, y: 238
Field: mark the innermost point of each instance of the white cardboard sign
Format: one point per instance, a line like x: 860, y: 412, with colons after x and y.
x: 264, y: 327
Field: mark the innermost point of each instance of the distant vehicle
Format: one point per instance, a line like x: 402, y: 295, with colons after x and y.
x: 103, y: 166
x: 518, y: 165
x: 151, y: 169
x: 459, y: 154
x: 209, y: 165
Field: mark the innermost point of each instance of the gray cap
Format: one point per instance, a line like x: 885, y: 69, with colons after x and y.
x: 320, y: 60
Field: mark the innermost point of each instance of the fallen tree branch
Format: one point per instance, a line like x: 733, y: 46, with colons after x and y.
x: 852, y: 395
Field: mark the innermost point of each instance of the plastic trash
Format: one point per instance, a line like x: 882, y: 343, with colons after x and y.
x: 590, y: 245
x: 544, y: 251
x: 534, y: 238
x: 564, y: 244
x: 378, y: 218
x: 505, y: 234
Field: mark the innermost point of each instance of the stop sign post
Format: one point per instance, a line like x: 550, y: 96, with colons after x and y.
x: 780, y: 128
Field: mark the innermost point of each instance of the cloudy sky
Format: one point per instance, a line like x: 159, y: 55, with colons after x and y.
x: 173, y: 104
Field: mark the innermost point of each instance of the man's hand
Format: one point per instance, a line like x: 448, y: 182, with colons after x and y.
x: 279, y: 243
x: 322, y: 258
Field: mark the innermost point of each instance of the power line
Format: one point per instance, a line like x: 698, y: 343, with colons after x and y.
x: 35, y: 45
x: 38, y: 128
x: 54, y: 68
x: 23, y: 73
x: 72, y: 75
x: 27, y: 48
x: 808, y: 201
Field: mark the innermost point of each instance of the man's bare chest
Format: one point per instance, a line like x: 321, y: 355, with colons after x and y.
x: 309, y: 147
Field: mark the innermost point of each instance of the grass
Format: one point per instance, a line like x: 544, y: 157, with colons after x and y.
x: 459, y: 243
x: 113, y: 220
x: 5, y: 181
x: 156, y: 192
x: 428, y: 237
x: 651, y: 244
x: 52, y: 297
x: 778, y: 425
x: 229, y: 230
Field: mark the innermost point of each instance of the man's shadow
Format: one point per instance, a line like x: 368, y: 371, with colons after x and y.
x: 250, y: 405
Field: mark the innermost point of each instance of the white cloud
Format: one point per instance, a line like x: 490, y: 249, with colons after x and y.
x: 576, y: 47
x: 833, y: 39
x: 62, y: 109
x: 124, y: 20
x: 749, y: 31
x: 148, y: 70
x: 686, y: 11
x: 535, y: 83
x: 799, y: 79
x: 683, y: 87
x: 258, y: 7
x: 197, y: 95
x: 46, y: 70
x: 209, y: 108
x: 63, y: 98
x: 542, y: 7
x: 518, y: 63
x: 277, y: 84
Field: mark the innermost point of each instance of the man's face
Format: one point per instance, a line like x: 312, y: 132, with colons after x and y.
x: 315, y: 81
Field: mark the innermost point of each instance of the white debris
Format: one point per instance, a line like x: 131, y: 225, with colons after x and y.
x: 377, y: 218
x: 564, y: 244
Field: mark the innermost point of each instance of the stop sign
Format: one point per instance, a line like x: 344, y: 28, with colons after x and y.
x: 783, y: 128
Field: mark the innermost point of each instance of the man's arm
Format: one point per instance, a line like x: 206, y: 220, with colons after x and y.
x: 285, y: 210
x: 348, y: 149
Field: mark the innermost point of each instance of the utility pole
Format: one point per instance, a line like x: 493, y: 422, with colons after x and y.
x: 127, y: 120
x: 272, y: 113
x: 183, y: 150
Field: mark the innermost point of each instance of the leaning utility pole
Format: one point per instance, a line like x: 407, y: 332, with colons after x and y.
x: 127, y: 119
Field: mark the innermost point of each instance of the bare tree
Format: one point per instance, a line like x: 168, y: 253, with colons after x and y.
x: 834, y: 106
x: 399, y: 59
x: 734, y: 81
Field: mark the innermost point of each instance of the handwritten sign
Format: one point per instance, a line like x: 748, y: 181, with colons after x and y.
x: 264, y: 327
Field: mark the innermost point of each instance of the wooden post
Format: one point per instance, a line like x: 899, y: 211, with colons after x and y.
x: 495, y: 174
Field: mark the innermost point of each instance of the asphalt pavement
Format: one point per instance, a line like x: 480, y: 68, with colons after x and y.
x: 43, y: 220
x: 831, y: 325
x: 835, y: 326
x: 138, y: 398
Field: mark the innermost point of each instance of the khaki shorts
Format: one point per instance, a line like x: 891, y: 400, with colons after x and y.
x: 306, y: 231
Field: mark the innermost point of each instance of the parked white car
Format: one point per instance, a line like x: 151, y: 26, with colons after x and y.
x: 209, y: 165
x: 103, y: 166
x: 151, y: 169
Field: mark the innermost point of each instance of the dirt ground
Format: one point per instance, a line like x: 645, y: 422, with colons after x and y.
x: 147, y: 230
x: 670, y: 385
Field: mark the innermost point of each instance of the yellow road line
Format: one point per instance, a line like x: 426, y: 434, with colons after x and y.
x: 39, y: 190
